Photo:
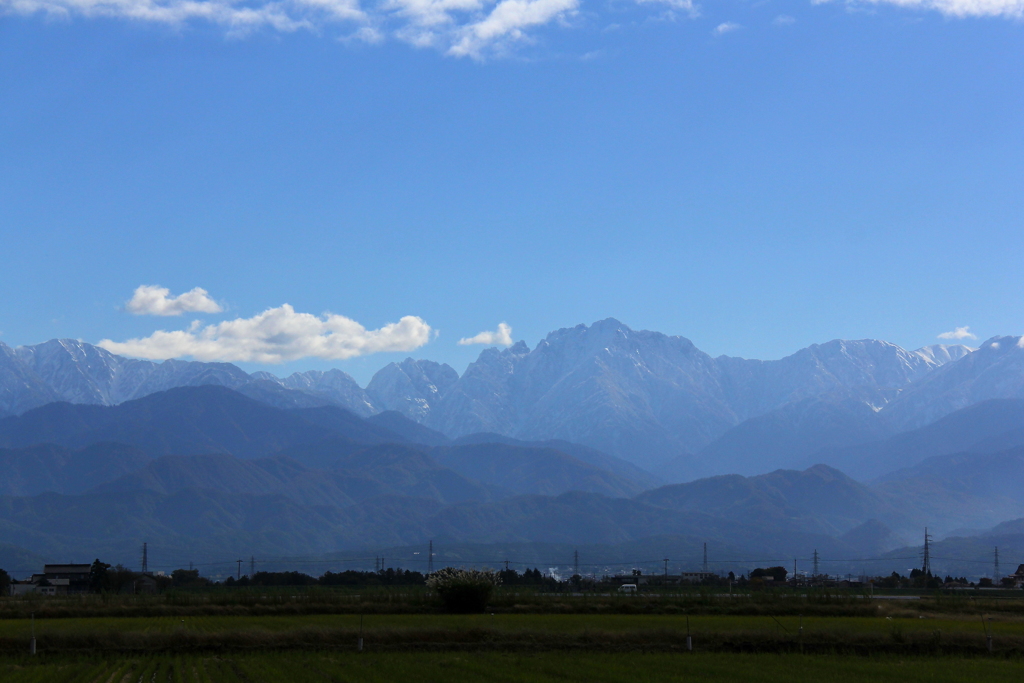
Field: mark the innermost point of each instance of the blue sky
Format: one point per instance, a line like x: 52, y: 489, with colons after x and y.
x: 755, y: 176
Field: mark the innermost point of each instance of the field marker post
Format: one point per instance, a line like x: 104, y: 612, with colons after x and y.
x: 32, y: 644
x: 360, y: 632
x: 689, y: 641
x: 801, y: 634
x: 988, y: 636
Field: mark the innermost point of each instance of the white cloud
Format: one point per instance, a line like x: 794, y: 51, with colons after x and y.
x: 275, y: 336
x: 156, y: 300
x: 502, y: 337
x: 783, y: 20
x: 725, y: 27
x: 685, y: 5
x: 959, y: 333
x: 506, y: 22
x: 1010, y: 9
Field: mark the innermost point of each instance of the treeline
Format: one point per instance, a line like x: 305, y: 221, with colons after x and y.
x: 185, y: 578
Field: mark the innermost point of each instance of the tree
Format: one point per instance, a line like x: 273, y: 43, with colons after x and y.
x: 776, y: 573
x: 98, y: 579
x: 5, y: 582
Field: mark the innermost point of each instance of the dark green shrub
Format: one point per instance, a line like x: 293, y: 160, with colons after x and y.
x: 463, y: 590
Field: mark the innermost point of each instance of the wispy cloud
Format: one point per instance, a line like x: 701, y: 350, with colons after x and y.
x: 959, y: 333
x: 506, y: 23
x: 726, y: 27
x: 275, y: 336
x: 501, y: 337
x: 156, y: 300
x: 1011, y: 9
x: 472, y: 28
x: 783, y: 20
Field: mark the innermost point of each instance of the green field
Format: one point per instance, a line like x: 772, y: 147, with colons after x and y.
x: 928, y: 640
x: 548, y: 666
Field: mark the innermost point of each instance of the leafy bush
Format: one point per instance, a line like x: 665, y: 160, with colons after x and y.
x: 463, y: 590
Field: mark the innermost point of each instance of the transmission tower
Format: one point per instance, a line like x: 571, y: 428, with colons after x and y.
x: 145, y: 558
x: 815, y: 572
x: 704, y: 567
x: 995, y: 574
x: 238, y: 576
x: 576, y: 563
x: 927, y: 564
x: 430, y: 559
x: 666, y: 567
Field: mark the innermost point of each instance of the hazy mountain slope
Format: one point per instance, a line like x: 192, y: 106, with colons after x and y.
x: 46, y: 467
x: 413, y: 387
x: 994, y: 371
x: 591, y: 456
x: 790, y: 436
x: 819, y: 499
x: 346, y: 423
x: 333, y: 387
x: 531, y: 470
x: 398, y: 470
x: 206, y: 419
x: 994, y: 421
x: 411, y: 431
x: 278, y: 396
x: 961, y: 490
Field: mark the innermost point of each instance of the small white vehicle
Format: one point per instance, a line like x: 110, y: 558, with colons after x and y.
x: 627, y: 588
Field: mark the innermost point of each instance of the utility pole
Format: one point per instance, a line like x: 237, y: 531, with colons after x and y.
x: 190, y: 565
x: 430, y: 559
x: 666, y: 567
x: 252, y: 566
x: 704, y: 567
x: 239, y: 575
x: 995, y: 574
x: 815, y: 563
x: 145, y: 559
x: 506, y: 565
x: 576, y: 563
x: 927, y: 565
x: 794, y: 569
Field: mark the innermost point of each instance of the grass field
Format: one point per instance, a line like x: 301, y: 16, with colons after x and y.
x: 491, y: 667
x: 937, y: 634
x: 934, y: 640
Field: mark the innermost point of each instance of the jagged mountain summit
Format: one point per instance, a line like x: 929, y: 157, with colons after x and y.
x: 645, y: 396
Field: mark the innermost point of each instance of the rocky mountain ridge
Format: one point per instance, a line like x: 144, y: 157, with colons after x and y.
x: 640, y: 395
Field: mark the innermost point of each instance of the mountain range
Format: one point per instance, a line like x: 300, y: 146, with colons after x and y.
x: 599, y: 435
x: 649, y: 398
